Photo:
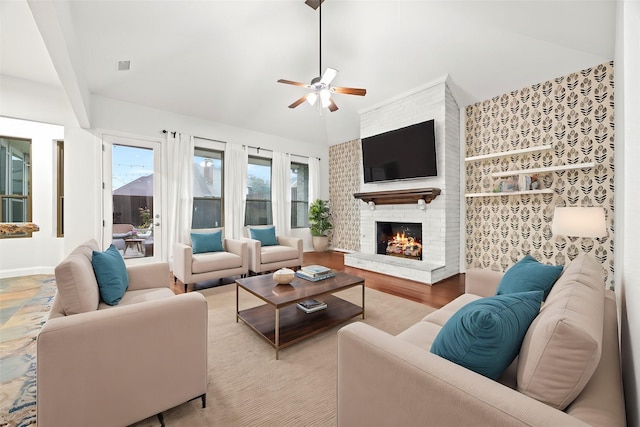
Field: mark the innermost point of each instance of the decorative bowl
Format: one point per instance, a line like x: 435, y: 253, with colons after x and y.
x: 284, y: 276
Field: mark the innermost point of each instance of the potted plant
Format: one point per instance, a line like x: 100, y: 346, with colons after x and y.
x: 320, y: 224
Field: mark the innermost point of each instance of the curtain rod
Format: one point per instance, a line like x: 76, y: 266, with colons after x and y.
x: 268, y: 149
x: 246, y: 145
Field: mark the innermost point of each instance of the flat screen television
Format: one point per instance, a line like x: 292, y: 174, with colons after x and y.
x: 405, y: 153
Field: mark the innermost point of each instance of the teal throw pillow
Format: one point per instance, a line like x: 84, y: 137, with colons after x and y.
x: 485, y: 335
x: 206, y: 242
x: 111, y: 274
x: 266, y: 235
x: 529, y: 275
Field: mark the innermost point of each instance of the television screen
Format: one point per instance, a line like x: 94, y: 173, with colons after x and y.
x: 405, y: 153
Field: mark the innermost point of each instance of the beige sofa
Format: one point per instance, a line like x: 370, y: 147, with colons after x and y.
x: 101, y: 365
x: 567, y: 372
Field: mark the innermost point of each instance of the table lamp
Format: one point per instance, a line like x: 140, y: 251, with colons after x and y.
x: 578, y: 221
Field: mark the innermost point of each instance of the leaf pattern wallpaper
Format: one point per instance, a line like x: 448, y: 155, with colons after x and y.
x: 345, y: 164
x: 573, y: 114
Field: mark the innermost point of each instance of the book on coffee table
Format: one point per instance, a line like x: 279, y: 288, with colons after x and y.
x: 315, y: 270
x: 311, y: 278
x: 311, y: 305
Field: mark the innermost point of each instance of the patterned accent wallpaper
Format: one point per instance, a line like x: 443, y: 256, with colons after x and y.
x: 573, y: 114
x: 345, y: 165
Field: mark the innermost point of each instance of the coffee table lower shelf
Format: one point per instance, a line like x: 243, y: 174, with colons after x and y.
x: 296, y: 325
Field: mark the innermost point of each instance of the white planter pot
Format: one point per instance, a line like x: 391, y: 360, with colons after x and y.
x: 320, y: 243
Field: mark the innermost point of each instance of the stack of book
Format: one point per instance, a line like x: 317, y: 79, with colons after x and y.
x: 315, y: 272
x: 311, y: 305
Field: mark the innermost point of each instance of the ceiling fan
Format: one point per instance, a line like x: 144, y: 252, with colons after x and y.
x: 321, y: 86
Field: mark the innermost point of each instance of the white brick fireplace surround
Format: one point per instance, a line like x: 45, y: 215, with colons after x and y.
x: 441, y: 218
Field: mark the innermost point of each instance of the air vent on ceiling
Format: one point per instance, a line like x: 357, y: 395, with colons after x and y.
x: 124, y: 65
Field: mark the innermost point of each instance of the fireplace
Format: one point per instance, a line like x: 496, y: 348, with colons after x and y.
x: 399, y: 239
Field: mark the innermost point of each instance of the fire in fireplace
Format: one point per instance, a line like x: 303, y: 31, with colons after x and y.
x: 400, y: 239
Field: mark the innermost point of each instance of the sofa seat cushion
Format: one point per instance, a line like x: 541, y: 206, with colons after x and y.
x: 485, y: 335
x: 214, y: 261
x: 440, y: 317
x: 277, y: 253
x: 562, y: 348
x: 420, y: 334
x: 141, y: 295
x: 76, y: 282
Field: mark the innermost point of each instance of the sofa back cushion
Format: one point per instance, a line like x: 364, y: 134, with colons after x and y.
x: 77, y: 286
x: 562, y: 348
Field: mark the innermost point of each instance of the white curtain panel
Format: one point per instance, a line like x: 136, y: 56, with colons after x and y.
x: 235, y: 189
x: 281, y: 192
x: 179, y: 161
x: 314, y: 179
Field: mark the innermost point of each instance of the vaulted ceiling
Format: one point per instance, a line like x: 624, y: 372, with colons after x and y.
x: 220, y: 60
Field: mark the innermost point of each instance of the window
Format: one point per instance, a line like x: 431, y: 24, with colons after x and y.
x: 258, y: 207
x: 60, y: 188
x: 207, y: 189
x: 299, y: 195
x: 15, y: 180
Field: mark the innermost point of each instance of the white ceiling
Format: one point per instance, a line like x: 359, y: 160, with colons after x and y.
x: 219, y: 60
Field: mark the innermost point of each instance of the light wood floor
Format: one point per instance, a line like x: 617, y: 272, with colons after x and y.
x: 435, y: 295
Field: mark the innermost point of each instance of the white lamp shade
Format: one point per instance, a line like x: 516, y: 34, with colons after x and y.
x: 325, y: 98
x: 311, y: 98
x: 579, y: 222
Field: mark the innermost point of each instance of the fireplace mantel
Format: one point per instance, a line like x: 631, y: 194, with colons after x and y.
x: 398, y: 197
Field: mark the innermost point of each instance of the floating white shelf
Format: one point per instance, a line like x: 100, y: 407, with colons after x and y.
x: 511, y: 193
x: 508, y: 153
x: 542, y: 170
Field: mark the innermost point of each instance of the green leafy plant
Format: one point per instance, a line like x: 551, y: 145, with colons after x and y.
x: 145, y: 217
x: 320, y: 218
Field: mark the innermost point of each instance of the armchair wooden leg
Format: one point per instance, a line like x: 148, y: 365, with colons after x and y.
x: 185, y: 288
x: 161, y: 419
x: 204, y: 400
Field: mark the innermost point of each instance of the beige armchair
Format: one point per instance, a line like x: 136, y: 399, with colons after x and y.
x: 101, y: 365
x: 286, y: 253
x: 191, y: 268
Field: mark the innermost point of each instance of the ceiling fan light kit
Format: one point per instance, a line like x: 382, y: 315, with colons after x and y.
x: 321, y: 86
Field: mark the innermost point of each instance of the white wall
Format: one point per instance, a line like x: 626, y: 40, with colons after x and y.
x: 83, y: 163
x: 35, y: 255
x: 627, y: 66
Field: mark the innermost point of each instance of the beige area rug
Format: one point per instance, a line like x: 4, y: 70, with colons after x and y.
x: 248, y: 387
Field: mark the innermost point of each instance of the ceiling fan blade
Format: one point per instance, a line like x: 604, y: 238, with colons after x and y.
x: 313, y: 3
x: 291, y: 82
x: 349, y: 91
x: 328, y: 76
x: 332, y: 106
x: 298, y: 102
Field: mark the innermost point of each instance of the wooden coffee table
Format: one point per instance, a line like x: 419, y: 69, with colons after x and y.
x: 280, y: 322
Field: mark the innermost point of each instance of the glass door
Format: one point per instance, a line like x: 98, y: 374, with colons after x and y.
x: 132, y: 216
